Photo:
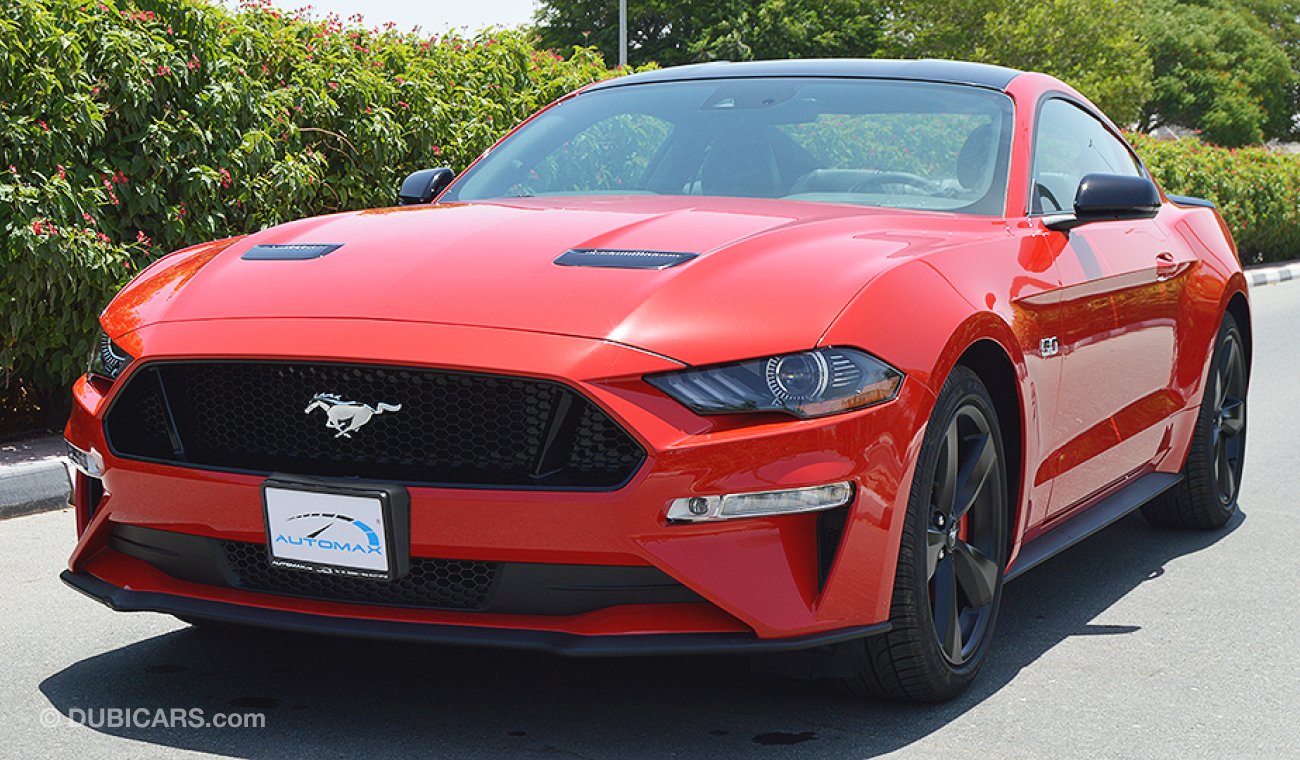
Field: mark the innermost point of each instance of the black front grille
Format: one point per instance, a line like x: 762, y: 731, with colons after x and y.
x: 433, y: 583
x: 452, y: 428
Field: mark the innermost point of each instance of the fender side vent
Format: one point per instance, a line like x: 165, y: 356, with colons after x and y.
x: 289, y: 252
x: 608, y: 258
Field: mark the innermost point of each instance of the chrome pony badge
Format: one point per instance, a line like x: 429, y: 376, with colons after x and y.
x: 346, y: 417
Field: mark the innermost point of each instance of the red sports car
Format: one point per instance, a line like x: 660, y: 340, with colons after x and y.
x: 803, y: 356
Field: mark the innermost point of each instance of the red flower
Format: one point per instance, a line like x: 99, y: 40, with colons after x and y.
x: 63, y: 173
x: 140, y: 237
x: 163, y: 71
x: 37, y: 227
x: 43, y: 125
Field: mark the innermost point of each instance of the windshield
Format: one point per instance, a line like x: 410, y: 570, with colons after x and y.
x: 912, y: 145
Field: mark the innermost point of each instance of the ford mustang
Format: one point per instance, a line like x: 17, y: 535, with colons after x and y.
x: 800, y: 357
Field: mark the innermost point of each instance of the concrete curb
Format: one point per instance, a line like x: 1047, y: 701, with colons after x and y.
x: 33, y: 477
x: 1273, y: 275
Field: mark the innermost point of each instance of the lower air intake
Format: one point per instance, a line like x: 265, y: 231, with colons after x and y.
x: 432, y: 583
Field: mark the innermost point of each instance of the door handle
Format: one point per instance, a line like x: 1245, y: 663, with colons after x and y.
x: 1166, y: 266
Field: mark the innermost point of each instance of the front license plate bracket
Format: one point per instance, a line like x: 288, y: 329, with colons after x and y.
x: 345, y: 511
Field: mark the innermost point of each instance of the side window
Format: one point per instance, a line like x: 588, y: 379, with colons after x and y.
x: 609, y: 156
x: 1070, y: 143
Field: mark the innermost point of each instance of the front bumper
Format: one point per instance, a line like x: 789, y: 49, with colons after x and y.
x: 760, y: 579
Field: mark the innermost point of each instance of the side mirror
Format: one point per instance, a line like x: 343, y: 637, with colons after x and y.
x: 1107, y: 198
x: 425, y: 185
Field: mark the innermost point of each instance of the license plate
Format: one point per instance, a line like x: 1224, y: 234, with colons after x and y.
x: 330, y: 531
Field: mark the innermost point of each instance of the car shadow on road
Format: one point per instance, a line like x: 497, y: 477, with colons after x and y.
x: 346, y: 697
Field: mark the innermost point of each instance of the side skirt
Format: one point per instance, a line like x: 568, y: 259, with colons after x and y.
x: 1091, y: 520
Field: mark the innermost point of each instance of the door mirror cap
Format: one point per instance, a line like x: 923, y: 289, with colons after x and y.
x: 423, y: 186
x: 1108, y: 198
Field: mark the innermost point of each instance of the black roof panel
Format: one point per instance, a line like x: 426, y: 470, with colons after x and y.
x: 927, y: 70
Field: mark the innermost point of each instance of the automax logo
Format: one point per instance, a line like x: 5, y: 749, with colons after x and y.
x: 349, y: 535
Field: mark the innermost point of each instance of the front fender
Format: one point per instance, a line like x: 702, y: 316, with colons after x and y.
x: 913, y: 317
x: 916, y: 317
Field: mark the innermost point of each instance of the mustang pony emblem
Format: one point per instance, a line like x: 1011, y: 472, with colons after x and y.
x: 346, y: 416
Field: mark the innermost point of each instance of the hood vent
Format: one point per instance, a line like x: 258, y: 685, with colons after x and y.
x: 622, y: 259
x: 290, y: 252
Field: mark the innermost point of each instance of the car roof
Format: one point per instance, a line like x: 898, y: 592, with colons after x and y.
x: 923, y: 70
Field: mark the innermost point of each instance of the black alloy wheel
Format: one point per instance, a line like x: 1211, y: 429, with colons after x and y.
x: 962, y: 539
x: 1228, y: 431
x: 1206, y: 498
x: 948, y: 582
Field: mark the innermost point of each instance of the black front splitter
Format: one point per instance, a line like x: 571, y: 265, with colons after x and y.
x: 553, y: 642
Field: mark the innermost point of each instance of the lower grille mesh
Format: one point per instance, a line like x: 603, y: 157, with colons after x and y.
x: 432, y: 583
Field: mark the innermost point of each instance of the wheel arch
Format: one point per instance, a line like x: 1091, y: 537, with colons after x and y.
x: 1239, y: 308
x: 994, y: 367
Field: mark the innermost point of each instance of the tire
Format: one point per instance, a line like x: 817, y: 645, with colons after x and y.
x: 952, y: 573
x: 1207, y: 495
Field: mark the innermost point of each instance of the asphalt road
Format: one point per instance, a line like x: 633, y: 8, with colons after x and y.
x: 1138, y: 643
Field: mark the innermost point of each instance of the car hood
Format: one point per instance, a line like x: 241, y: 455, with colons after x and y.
x: 770, y: 276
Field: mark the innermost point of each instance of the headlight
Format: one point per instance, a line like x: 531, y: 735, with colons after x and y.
x: 108, y: 360
x: 807, y: 384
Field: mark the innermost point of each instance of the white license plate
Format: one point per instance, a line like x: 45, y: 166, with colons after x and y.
x: 331, y: 533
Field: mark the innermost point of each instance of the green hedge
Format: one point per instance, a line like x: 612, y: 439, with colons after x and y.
x: 1257, y: 190
x: 132, y: 129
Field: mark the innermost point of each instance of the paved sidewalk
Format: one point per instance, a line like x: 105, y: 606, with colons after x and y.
x: 33, y: 476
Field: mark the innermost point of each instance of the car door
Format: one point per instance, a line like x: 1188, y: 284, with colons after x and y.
x: 1117, y: 314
